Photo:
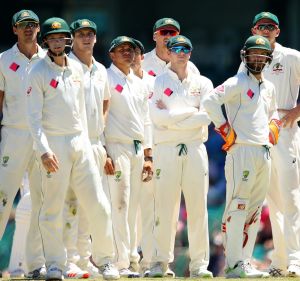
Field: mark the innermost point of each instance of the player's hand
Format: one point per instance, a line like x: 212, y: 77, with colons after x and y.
x: 291, y: 116
x: 50, y: 162
x: 228, y: 135
x: 274, y: 127
x: 147, y: 172
x: 160, y: 104
x: 109, y: 166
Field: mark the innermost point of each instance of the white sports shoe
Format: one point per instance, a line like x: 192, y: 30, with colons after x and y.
x: 90, y: 268
x: 158, y: 269
x: 169, y: 272
x: 276, y: 272
x: 109, y: 271
x: 144, y: 271
x: 126, y: 272
x: 39, y: 273
x: 74, y: 272
x: 201, y: 273
x: 244, y: 269
x: 293, y: 270
x: 54, y: 273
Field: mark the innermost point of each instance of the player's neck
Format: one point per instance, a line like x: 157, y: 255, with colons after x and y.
x: 162, y: 53
x: 28, y: 49
x: 137, y: 70
x: 85, y: 57
x: 180, y: 70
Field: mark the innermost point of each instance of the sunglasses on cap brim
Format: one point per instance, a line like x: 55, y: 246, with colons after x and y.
x: 165, y: 32
x: 179, y: 49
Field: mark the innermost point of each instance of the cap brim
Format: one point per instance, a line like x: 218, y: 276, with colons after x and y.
x: 168, y: 26
x: 27, y: 19
x: 124, y: 42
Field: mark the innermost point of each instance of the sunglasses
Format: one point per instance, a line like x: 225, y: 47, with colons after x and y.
x: 180, y: 49
x: 165, y: 32
x: 269, y: 27
x: 26, y: 24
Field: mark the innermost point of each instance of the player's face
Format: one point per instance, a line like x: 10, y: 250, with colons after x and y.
x: 57, y: 42
x: 123, y: 54
x: 84, y: 40
x: 256, y: 59
x: 138, y: 57
x: 266, y: 28
x: 162, y: 35
x: 180, y: 54
x: 26, y: 31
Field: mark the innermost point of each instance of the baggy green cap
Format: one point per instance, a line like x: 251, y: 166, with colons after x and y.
x: 83, y: 23
x: 24, y: 15
x: 121, y: 40
x: 265, y: 15
x: 179, y: 40
x: 257, y: 42
x: 166, y: 22
x: 54, y: 25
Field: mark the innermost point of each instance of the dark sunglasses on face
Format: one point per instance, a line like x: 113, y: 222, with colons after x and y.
x: 25, y: 24
x: 165, y: 32
x: 179, y: 49
x: 269, y: 27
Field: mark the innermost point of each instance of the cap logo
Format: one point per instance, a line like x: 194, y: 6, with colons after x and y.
x: 168, y: 21
x: 25, y: 14
x: 85, y: 23
x: 56, y: 25
x: 180, y: 39
x: 260, y: 41
x: 266, y: 14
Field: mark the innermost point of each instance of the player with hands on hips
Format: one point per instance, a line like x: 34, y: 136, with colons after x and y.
x: 284, y: 193
x: 251, y: 129
x: 180, y: 130
x: 64, y: 153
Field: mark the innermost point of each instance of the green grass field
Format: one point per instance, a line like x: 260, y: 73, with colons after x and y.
x: 171, y: 279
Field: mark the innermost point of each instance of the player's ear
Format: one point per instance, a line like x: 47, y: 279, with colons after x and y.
x: 277, y: 32
x: 14, y: 30
x: 253, y: 31
x: 154, y: 36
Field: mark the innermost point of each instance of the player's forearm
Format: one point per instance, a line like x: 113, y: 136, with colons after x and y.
x: 105, y: 109
x: 214, y: 110
x: 197, y: 120
x: 1, y: 105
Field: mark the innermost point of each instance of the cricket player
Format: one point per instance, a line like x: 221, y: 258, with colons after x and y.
x: 128, y: 139
x: 16, y: 146
x: 76, y: 232
x: 146, y: 204
x: 284, y: 192
x: 251, y: 129
x: 180, y: 159
x: 57, y: 121
x: 155, y: 62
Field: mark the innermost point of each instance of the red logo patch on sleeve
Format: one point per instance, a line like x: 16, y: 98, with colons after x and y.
x: 14, y: 67
x: 119, y: 88
x: 250, y: 94
x: 168, y: 92
x: 54, y: 83
x: 152, y: 73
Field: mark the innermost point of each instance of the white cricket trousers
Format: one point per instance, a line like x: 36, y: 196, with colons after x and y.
x: 124, y: 188
x: 77, y: 168
x: 181, y: 168
x: 283, y: 199
x: 16, y: 156
x: 247, y: 172
x: 146, y: 213
x: 76, y: 228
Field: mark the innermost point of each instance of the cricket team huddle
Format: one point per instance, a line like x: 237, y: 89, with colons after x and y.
x: 108, y: 151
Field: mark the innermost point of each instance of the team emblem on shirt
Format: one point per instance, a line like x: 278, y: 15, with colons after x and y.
x: 119, y: 88
x: 152, y: 73
x: 5, y: 161
x: 277, y: 68
x: 157, y: 173
x: 54, y: 83
x: 194, y: 92
x: 245, y: 175
x: 118, y: 175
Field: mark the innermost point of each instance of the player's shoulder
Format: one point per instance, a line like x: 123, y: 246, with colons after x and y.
x: 286, y: 51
